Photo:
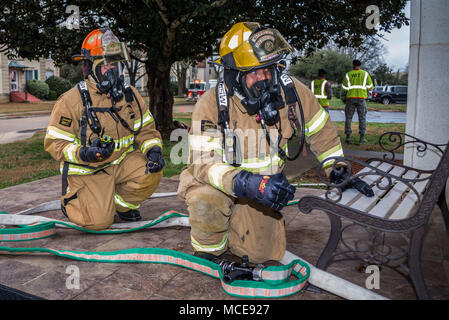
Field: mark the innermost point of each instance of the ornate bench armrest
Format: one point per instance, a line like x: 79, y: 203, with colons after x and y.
x: 391, y: 141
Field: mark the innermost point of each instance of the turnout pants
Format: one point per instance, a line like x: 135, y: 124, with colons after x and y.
x: 91, y: 201
x: 353, y: 104
x: 219, y: 222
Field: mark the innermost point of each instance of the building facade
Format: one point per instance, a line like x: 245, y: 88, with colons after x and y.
x: 15, y: 73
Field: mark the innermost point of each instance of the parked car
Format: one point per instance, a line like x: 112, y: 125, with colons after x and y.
x: 391, y: 94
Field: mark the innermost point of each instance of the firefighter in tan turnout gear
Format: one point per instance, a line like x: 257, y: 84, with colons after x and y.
x: 105, y: 138
x: 234, y: 185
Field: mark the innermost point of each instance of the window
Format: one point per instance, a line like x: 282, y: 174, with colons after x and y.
x: 401, y: 89
x: 35, y: 74
x: 28, y: 75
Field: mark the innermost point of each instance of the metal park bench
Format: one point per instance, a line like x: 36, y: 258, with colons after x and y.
x: 403, y: 201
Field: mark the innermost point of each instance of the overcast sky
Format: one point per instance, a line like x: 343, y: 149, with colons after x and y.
x: 398, y: 43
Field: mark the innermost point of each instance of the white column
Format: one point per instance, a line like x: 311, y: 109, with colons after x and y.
x: 428, y: 80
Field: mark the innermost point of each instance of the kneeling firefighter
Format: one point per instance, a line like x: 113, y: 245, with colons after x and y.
x: 234, y: 187
x: 104, y: 135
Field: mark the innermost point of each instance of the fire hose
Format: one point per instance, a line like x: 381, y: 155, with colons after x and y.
x: 240, y: 280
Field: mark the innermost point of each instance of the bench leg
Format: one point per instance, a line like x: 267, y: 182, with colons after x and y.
x: 442, y: 203
x: 414, y: 263
x: 332, y: 243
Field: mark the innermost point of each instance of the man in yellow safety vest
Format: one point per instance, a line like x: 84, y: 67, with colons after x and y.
x: 356, y: 83
x: 322, y: 89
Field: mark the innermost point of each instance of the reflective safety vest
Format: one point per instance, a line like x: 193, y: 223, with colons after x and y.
x: 318, y: 88
x: 356, y: 82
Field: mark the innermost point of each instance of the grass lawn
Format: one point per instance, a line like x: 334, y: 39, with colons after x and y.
x: 18, y: 107
x: 26, y: 161
x: 373, y: 132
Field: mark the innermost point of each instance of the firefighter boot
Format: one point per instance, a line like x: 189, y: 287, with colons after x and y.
x: 131, y: 215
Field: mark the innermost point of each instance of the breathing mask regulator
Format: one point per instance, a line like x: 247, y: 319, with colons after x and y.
x: 264, y: 99
x: 111, y: 82
x: 264, y: 96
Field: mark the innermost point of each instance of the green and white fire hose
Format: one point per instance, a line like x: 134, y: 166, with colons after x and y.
x: 274, y: 280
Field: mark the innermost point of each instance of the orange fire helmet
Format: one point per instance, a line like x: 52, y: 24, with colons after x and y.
x: 102, y: 44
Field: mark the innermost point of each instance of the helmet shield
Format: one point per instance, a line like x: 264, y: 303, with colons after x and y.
x: 268, y: 45
x: 247, y: 45
x: 113, y: 50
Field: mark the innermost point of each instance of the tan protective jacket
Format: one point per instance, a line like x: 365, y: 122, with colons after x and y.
x: 206, y: 149
x: 63, y: 137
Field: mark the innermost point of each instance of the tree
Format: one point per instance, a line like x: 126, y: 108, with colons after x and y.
x: 169, y: 30
x: 134, y: 67
x: 336, y: 65
x: 370, y: 53
x: 383, y: 75
x: 179, y: 70
x: 403, y: 79
x: 72, y: 73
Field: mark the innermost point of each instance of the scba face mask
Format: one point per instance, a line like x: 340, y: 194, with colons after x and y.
x: 111, y: 81
x: 263, y: 97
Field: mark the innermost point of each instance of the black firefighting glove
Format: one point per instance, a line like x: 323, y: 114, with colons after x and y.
x: 272, y: 191
x: 155, y: 160
x: 99, y: 150
x: 341, y: 174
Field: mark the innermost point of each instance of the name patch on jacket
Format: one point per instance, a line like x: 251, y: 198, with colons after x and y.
x: 65, y: 121
x: 207, y: 125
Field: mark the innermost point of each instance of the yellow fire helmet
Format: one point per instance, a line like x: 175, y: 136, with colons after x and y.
x: 248, y: 45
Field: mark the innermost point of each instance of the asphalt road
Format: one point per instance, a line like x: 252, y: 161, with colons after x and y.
x: 15, y: 129
x: 371, y: 116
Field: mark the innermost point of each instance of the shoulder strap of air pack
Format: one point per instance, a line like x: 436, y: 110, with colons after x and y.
x: 223, y: 105
x: 289, y: 89
x: 231, y: 144
x: 84, y: 93
x: 86, y: 100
